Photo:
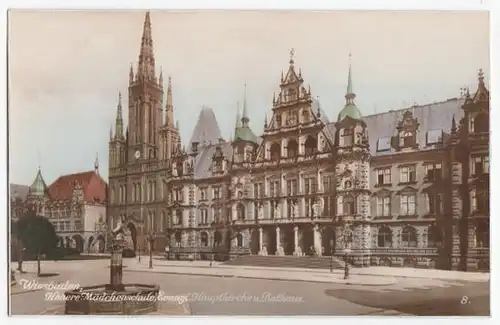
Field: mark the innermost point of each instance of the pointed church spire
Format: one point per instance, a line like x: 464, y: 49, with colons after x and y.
x: 169, y: 106
x: 349, y: 93
x: 238, y: 116
x: 119, y: 119
x: 146, y: 69
x: 160, y: 80
x: 244, y: 117
x: 96, y: 163
x: 453, y: 125
x: 131, y: 74
x: 350, y: 108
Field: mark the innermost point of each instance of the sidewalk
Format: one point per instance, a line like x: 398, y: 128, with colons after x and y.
x: 167, y: 267
x: 381, y: 271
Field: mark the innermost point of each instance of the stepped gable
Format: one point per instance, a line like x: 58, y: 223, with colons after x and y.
x: 94, y: 187
x: 207, y: 130
x: 431, y: 117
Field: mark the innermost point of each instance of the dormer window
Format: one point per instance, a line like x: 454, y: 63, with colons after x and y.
x: 346, y: 137
x: 406, y: 139
x: 434, y: 137
x: 384, y: 144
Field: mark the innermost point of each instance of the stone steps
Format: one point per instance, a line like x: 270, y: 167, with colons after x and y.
x: 287, y: 261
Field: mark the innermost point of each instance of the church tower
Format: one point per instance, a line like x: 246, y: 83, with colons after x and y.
x: 353, y: 186
x: 145, y: 102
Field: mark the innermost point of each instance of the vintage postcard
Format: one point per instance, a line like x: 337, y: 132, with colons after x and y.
x: 249, y: 163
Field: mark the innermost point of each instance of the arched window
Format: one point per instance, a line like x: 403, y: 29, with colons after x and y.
x: 292, y: 149
x: 483, y: 234
x: 434, y: 238
x: 275, y: 151
x: 239, y: 240
x: 204, y: 239
x: 409, y: 237
x: 481, y: 123
x: 310, y: 146
x: 240, y: 211
x: 384, y: 238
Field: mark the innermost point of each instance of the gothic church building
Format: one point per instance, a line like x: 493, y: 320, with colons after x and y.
x: 408, y: 187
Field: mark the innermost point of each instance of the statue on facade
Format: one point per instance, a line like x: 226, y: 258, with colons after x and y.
x: 277, y: 211
x: 261, y: 212
x: 174, y: 169
x: 295, y: 209
x: 316, y: 209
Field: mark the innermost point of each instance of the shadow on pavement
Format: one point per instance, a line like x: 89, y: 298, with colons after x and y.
x: 467, y: 300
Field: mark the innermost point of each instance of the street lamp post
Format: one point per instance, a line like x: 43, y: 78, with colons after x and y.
x: 151, y: 239
x: 347, y: 249
x: 331, y: 255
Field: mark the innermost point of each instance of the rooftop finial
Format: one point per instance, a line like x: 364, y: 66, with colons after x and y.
x: 96, y: 162
x: 292, y: 54
x: 244, y: 116
x: 480, y: 76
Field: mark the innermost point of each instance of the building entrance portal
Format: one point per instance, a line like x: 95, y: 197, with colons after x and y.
x: 254, y: 242
x: 288, y: 242
x: 307, y: 240
x: 328, y: 241
x: 271, y: 241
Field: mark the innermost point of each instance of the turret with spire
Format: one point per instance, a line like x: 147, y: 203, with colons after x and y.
x: 244, y: 117
x: 350, y: 108
x: 119, y: 119
x: 169, y: 107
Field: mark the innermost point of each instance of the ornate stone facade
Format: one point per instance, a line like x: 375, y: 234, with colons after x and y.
x: 386, y: 187
x: 76, y: 206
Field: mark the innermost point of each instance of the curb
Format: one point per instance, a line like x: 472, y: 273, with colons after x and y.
x: 24, y: 291
x: 416, y: 276
x: 261, y: 278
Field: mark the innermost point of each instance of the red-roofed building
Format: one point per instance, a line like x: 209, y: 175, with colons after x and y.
x: 76, y: 205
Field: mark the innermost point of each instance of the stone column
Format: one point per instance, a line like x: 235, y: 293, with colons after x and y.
x: 317, y: 240
x: 278, y: 240
x: 296, y: 239
x: 260, y: 241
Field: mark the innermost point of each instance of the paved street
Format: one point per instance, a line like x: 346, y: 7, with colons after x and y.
x: 239, y: 296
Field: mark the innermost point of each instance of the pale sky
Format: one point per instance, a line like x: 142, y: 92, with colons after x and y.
x: 66, y: 69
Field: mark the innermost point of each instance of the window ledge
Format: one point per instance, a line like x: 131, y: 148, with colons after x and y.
x: 407, y: 183
x: 383, y: 185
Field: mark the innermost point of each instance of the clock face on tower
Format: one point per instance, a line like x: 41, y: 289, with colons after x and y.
x: 137, y: 154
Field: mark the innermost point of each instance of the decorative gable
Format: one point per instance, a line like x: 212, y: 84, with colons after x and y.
x: 406, y: 132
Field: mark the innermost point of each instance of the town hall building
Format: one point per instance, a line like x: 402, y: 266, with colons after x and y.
x: 408, y: 187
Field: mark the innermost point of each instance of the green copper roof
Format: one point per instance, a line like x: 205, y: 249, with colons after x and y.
x: 349, y: 110
x: 244, y: 133
x: 38, y: 188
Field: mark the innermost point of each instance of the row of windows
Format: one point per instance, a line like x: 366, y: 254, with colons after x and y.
x: 216, y: 193
x: 408, y: 174
x: 408, y: 205
x: 60, y: 226
x: 292, y: 150
x: 407, y: 139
